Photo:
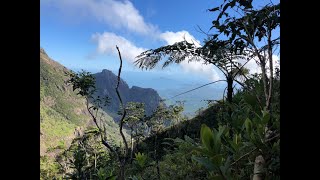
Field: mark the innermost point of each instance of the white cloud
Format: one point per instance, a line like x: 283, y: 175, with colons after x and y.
x: 197, y: 67
x: 193, y: 67
x: 106, y: 44
x: 252, y: 66
x: 123, y: 14
x: 118, y: 14
x: 276, y: 60
x: 276, y: 64
x: 255, y: 68
x: 173, y: 37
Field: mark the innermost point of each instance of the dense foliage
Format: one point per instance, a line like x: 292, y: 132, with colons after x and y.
x: 225, y: 150
x: 236, y: 138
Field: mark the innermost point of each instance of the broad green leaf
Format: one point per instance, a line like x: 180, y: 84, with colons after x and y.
x: 226, y: 132
x: 221, y: 130
x: 265, y: 117
x: 248, y: 126
x: 217, y: 138
x: 207, y: 137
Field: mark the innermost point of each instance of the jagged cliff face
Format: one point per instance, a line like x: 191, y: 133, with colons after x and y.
x: 148, y: 96
x: 106, y: 83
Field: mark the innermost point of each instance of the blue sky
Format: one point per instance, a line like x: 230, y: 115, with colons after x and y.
x: 82, y: 34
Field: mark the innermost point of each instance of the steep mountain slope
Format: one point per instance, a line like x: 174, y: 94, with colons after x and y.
x: 62, y: 113
x: 106, y: 83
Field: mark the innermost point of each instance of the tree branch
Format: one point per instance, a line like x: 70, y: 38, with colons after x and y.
x: 274, y: 137
x: 239, y: 69
x: 91, y: 114
x: 201, y: 31
x: 244, y: 156
x: 103, y: 140
x: 124, y: 109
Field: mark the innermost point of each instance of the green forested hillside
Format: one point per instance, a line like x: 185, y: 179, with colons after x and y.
x: 63, y: 113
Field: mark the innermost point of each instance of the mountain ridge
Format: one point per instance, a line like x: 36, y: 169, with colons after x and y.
x: 106, y: 82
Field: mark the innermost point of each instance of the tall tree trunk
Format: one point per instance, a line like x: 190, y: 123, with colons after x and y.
x: 258, y: 171
x: 229, y: 97
x: 271, y: 69
x: 262, y: 60
x: 264, y: 78
x: 230, y: 88
x: 122, y: 160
